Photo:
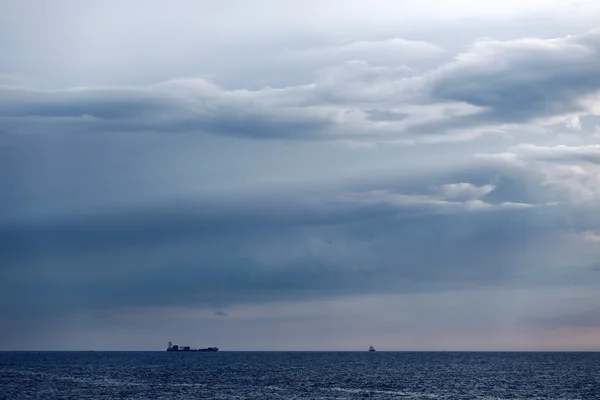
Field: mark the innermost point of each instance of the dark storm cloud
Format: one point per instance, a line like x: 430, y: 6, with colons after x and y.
x: 237, y: 267
x: 171, y: 222
x: 213, y: 254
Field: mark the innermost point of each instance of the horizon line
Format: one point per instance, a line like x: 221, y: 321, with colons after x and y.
x: 298, y: 351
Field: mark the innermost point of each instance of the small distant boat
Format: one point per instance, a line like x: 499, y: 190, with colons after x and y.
x: 371, y: 348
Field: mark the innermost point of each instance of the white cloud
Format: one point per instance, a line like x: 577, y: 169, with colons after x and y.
x: 393, y: 51
x: 589, y: 153
x: 453, y: 198
x: 572, y: 173
x: 591, y: 236
x: 573, y: 123
x: 465, y: 190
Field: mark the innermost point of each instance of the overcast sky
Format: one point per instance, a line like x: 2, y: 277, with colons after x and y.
x: 300, y: 175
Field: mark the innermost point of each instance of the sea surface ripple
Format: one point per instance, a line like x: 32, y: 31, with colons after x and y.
x: 299, y: 375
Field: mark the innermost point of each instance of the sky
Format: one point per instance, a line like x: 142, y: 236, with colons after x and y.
x: 300, y: 175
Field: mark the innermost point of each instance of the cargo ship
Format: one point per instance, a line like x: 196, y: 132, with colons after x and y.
x: 175, y: 347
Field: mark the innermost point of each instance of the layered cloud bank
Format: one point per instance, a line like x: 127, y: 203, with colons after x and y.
x: 494, y: 85
x: 445, y: 195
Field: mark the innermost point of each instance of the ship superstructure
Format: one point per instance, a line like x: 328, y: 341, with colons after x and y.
x: 175, y: 347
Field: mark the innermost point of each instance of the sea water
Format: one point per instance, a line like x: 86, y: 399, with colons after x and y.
x: 299, y: 375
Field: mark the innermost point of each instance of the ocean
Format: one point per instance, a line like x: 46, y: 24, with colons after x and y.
x: 299, y: 375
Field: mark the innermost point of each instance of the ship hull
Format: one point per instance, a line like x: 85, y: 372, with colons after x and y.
x: 178, y: 349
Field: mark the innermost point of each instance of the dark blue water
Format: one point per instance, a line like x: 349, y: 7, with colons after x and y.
x: 231, y: 375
